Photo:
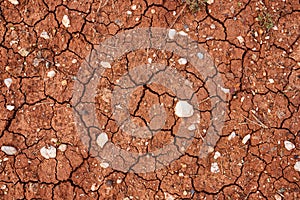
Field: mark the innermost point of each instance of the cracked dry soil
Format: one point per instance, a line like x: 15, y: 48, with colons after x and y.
x: 44, y: 42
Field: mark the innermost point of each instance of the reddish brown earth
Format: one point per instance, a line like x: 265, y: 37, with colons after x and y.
x: 260, y: 66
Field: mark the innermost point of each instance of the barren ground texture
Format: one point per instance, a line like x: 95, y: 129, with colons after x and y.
x: 255, y: 49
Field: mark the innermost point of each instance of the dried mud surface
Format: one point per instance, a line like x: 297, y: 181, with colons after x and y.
x: 260, y: 66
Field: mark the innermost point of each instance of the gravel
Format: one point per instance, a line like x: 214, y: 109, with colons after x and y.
x: 214, y: 168
x: 8, y: 82
x: 288, y: 145
x: 246, y: 138
x: 297, y: 166
x: 10, y: 107
x: 182, y: 61
x: 66, y: 21
x: 105, y: 64
x: 184, y: 109
x: 48, y: 152
x: 51, y: 74
x: 172, y: 33
x: 9, y: 150
x: 102, y: 139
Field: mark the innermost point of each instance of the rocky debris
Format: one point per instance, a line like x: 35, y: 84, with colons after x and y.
x: 241, y: 39
x: 23, y: 52
x: 48, y: 152
x: 217, y: 155
x: 66, y: 21
x: 62, y: 147
x: 168, y: 196
x: 51, y: 74
x: 297, y: 166
x: 104, y: 165
x: 105, y: 64
x: 102, y: 139
x: 9, y: 150
x: 184, y: 109
x: 172, y: 33
x: 8, y: 82
x: 231, y: 136
x: 246, y: 138
x: 200, y: 55
x: 15, y: 2
x: 214, y: 168
x: 288, y: 145
x: 45, y: 35
x: 10, y: 107
x: 210, y: 2
x: 182, y: 61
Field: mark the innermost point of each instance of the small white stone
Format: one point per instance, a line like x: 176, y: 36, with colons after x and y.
x: 102, y: 139
x: 66, y: 21
x: 10, y: 107
x: 192, y: 127
x: 172, y: 33
x: 200, y: 55
x: 182, y: 33
x: 241, y: 39
x: 23, y: 52
x: 8, y: 82
x: 231, y: 136
x: 181, y: 174
x: 119, y: 181
x: 168, y: 196
x: 62, y: 147
x: 214, y: 168
x: 225, y: 90
x: 9, y: 150
x: 105, y: 64
x: 297, y: 166
x: 149, y: 60
x: 212, y: 26
x: 246, y: 138
x: 48, y: 152
x: 277, y: 197
x: 288, y: 145
x: 74, y: 61
x: 94, y: 187
x: 15, y: 2
x: 210, y: 1
x: 217, y: 155
x: 184, y: 193
x: 51, y: 74
x: 271, y: 80
x: 104, y: 165
x: 133, y: 7
x: 129, y: 12
x: 182, y: 61
x: 45, y: 35
x: 184, y: 109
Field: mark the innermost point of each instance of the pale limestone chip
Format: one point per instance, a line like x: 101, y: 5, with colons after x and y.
x: 288, y: 145
x: 8, y: 82
x: 66, y: 21
x: 51, y: 74
x: 182, y: 61
x: 210, y: 2
x: 102, y: 139
x: 62, y: 147
x: 217, y: 155
x: 23, y: 52
x: 246, y: 138
x: 9, y: 150
x: 104, y: 165
x: 297, y: 166
x: 44, y: 35
x: 214, y: 168
x: 168, y: 196
x: 15, y: 2
x: 231, y: 136
x: 172, y: 33
x: 48, y: 152
x: 241, y: 39
x: 184, y: 109
x: 105, y: 64
x: 10, y: 107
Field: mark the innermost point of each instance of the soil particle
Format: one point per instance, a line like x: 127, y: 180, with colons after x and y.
x: 9, y: 150
x: 246, y: 138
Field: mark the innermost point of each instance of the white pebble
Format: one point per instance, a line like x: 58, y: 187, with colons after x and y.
x: 184, y: 109
x: 15, y: 2
x: 246, y: 138
x: 182, y: 33
x: 102, y: 139
x: 212, y: 26
x: 200, y: 55
x: 51, y: 74
x: 105, y: 64
x: 297, y: 166
x: 210, y: 1
x: 66, y: 21
x: 48, y: 152
x: 45, y: 35
x: 231, y: 136
x: 182, y: 61
x: 225, y: 90
x: 9, y: 150
x: 94, y: 187
x: 288, y: 145
x: 62, y: 147
x: 23, y: 52
x: 10, y: 107
x: 133, y: 7
x: 168, y: 196
x: 172, y: 33
x: 8, y: 82
x: 74, y: 61
x: 217, y: 155
x: 192, y: 127
x: 119, y: 181
x: 104, y: 165
x: 149, y: 60
x: 241, y: 39
x: 214, y: 168
x: 129, y: 12
x: 271, y: 80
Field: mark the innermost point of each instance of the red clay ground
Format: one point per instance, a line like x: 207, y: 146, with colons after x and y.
x: 255, y: 47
